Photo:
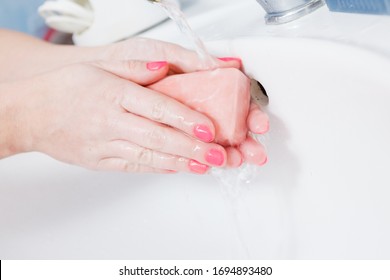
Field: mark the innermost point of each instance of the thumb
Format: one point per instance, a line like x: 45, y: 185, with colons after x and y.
x: 140, y: 72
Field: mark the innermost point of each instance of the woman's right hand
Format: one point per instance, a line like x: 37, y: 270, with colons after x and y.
x: 99, y: 115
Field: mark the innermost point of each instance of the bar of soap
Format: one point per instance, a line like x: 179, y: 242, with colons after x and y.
x: 222, y: 94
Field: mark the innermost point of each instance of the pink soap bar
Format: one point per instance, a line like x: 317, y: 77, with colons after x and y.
x: 222, y: 94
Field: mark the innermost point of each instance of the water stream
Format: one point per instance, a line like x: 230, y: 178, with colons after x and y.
x: 175, y: 13
x: 232, y: 181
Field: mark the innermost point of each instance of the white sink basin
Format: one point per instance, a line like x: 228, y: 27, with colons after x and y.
x: 328, y: 145
x: 323, y: 194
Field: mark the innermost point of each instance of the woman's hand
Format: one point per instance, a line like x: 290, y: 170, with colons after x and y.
x: 181, y: 60
x: 23, y: 56
x: 250, y: 150
x: 185, y: 61
x: 98, y: 115
x: 224, y: 96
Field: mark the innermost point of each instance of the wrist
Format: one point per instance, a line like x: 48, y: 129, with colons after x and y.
x: 13, y: 138
x: 70, y: 54
x: 22, y: 56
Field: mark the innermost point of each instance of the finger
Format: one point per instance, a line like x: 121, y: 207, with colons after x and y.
x: 140, y: 72
x: 122, y: 165
x: 230, y: 62
x: 234, y: 157
x: 257, y: 121
x: 253, y: 152
x: 187, y: 61
x: 154, y: 136
x: 164, y: 109
x: 136, y: 154
x: 181, y: 60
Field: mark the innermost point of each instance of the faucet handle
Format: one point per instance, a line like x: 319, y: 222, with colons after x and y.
x: 282, y: 11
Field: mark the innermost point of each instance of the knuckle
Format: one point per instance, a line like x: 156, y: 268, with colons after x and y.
x: 178, y: 163
x: 99, y: 165
x: 116, y: 94
x: 129, y: 65
x: 144, y: 156
x: 115, y: 164
x: 97, y: 63
x: 158, y: 110
x: 130, y: 167
x: 127, y: 99
x: 156, y: 138
x: 121, y: 165
x: 167, y: 161
x: 198, y: 149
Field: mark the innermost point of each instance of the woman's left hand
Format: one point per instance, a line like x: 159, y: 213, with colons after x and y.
x: 25, y: 56
x: 181, y: 60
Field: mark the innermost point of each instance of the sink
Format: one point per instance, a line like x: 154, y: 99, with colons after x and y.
x: 323, y: 194
x: 328, y: 144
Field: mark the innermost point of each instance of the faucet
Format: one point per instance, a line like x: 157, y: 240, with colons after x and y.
x: 282, y: 11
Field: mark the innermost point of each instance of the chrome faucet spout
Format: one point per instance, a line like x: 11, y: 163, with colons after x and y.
x: 282, y: 11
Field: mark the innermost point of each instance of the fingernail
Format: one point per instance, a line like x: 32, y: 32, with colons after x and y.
x: 197, y: 167
x: 262, y: 128
x: 264, y: 161
x: 202, y: 132
x: 230, y: 59
x: 156, y: 65
x: 215, y: 157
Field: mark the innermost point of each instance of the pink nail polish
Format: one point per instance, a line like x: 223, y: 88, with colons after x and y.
x: 215, y: 157
x: 202, y: 132
x: 156, y: 65
x: 197, y: 167
x: 230, y: 59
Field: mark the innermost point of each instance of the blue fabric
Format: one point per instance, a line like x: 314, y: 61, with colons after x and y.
x: 22, y: 15
x: 379, y: 7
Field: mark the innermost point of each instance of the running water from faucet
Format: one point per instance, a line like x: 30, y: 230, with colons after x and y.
x: 232, y: 181
x: 174, y: 12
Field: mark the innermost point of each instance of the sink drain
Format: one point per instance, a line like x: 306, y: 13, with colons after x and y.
x: 258, y: 93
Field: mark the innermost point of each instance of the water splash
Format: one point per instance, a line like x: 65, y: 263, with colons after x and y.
x: 235, y: 180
